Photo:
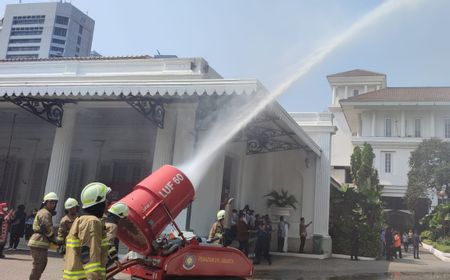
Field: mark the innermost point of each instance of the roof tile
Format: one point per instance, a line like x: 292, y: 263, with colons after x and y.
x: 356, y: 73
x: 404, y: 94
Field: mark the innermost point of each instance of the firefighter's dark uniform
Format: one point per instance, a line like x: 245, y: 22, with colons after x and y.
x: 86, y: 250
x: 40, y: 241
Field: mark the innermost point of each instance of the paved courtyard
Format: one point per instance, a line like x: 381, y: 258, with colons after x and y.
x: 17, y: 265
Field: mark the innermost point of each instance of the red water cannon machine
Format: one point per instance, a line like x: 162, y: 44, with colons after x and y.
x: 153, y: 205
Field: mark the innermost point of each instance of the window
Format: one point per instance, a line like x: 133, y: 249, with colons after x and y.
x: 62, y: 20
x: 79, y: 40
x: 387, y: 162
x: 447, y: 128
x: 28, y: 48
x: 26, y: 31
x: 57, y: 49
x: 60, y: 31
x: 355, y: 92
x: 417, y: 128
x: 80, y: 29
x: 388, y: 127
x: 28, y: 20
x: 24, y: 41
x: 58, y: 41
x: 17, y: 56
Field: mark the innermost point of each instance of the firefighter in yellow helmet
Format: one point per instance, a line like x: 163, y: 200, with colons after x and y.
x: 117, y: 211
x: 71, y: 207
x: 216, y: 232
x: 43, y: 235
x: 86, y: 243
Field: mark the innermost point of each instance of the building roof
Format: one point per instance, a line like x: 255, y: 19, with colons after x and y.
x: 28, y: 59
x: 356, y: 73
x: 403, y: 94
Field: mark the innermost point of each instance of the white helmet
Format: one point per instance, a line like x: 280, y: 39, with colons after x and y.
x: 119, y: 209
x: 221, y: 214
x: 70, y: 203
x: 50, y: 196
x: 93, y: 193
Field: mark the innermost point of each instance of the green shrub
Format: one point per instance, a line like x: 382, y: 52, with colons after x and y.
x: 426, y: 234
x: 441, y: 247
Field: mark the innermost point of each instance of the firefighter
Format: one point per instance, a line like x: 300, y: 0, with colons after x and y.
x: 216, y: 232
x: 116, y: 212
x: 86, y: 243
x: 71, y: 207
x: 43, y: 235
x: 5, y: 215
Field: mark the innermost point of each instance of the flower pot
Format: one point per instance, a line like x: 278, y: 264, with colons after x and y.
x: 276, y: 212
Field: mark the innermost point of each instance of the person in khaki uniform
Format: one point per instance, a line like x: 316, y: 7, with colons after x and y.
x: 86, y: 243
x: 43, y: 235
x: 71, y: 207
x: 216, y: 232
x: 116, y: 212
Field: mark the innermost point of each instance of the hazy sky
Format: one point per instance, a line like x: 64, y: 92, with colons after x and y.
x: 262, y: 39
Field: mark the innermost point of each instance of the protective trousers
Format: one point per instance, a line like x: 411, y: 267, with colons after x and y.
x: 39, y: 256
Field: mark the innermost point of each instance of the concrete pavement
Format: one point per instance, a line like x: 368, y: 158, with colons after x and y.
x: 17, y: 265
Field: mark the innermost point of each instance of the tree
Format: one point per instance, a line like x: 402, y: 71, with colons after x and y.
x: 361, y: 166
x: 359, y: 205
x: 429, y: 171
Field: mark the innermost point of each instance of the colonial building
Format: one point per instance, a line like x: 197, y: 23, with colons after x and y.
x: 394, y: 120
x: 69, y: 121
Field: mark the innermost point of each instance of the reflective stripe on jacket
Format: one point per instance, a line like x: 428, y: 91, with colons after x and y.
x: 86, y: 250
x: 43, y: 229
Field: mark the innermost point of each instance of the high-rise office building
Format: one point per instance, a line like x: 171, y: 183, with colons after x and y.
x: 42, y: 30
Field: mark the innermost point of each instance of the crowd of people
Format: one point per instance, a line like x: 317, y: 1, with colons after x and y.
x: 392, y: 242
x: 88, y: 241
x: 248, y: 229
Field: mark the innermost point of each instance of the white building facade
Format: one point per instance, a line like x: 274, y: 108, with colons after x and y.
x: 69, y: 121
x: 42, y: 30
x: 393, y: 120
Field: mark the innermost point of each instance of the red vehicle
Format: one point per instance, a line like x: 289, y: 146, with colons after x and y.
x: 153, y: 204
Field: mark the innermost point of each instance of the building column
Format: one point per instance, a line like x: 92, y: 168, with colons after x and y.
x: 322, y: 191
x: 165, y: 139
x: 365, y: 88
x: 58, y: 171
x: 346, y: 92
x: 333, y: 96
x: 184, y: 145
x: 374, y: 119
x: 402, y: 124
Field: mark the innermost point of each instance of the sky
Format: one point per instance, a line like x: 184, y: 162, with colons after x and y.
x: 264, y: 39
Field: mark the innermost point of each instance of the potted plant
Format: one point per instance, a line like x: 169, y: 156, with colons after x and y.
x: 281, y: 202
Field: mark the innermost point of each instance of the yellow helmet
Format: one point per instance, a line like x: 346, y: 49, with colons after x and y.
x: 70, y: 203
x: 50, y: 196
x: 93, y: 193
x: 119, y: 209
x: 221, y: 214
